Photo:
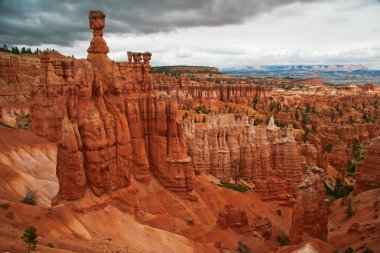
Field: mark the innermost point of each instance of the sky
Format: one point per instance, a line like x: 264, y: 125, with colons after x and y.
x: 220, y: 33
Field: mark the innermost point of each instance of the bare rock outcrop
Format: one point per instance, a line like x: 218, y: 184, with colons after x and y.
x: 70, y: 162
x: 236, y: 219
x: 309, y: 212
x: 368, y: 173
x: 231, y: 217
x: 261, y: 227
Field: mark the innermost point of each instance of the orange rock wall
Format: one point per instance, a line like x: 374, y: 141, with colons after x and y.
x: 267, y: 157
x: 309, y: 211
x: 368, y: 173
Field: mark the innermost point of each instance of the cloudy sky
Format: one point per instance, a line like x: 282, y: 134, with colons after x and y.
x: 222, y: 33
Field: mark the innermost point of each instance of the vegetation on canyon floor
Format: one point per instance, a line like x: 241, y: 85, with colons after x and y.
x: 239, y: 187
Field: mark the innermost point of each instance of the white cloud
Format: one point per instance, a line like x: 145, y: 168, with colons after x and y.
x: 183, y: 53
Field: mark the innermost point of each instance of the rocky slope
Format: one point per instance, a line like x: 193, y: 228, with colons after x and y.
x: 358, y: 229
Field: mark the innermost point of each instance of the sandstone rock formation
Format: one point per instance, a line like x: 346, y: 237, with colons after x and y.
x: 268, y: 156
x: 17, y: 74
x: 97, y: 24
x: 262, y: 227
x: 236, y: 219
x: 309, y: 211
x: 189, y: 91
x: 47, y: 95
x: 231, y: 217
x: 368, y: 173
x: 102, y: 115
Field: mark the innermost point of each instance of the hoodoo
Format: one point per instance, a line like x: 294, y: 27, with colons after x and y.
x: 108, y: 121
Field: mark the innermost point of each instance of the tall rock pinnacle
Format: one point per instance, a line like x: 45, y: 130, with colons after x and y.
x: 97, y: 24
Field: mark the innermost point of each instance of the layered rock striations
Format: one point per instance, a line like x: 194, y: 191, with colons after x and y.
x: 266, y: 156
x: 187, y: 91
x: 48, y: 95
x: 17, y: 74
x: 368, y: 173
x: 108, y: 122
x: 309, y: 216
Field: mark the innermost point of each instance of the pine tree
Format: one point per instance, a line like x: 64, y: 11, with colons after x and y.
x: 15, y: 50
x: 4, y: 48
x: 29, y: 237
x: 356, y: 150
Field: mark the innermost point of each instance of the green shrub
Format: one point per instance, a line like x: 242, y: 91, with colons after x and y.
x: 368, y: 250
x: 257, y: 122
x: 350, y: 209
x: 236, y: 187
x: 306, y: 134
x: 349, y: 250
x: 351, y: 166
x: 341, y: 189
x: 29, y: 236
x: 5, y: 205
x: 30, y: 196
x: 278, y: 212
x: 283, y: 240
x: 243, y: 248
x: 329, y: 148
x: 357, y: 150
x: 279, y: 123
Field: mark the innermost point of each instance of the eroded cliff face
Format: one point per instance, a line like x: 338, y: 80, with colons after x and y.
x: 368, y: 173
x: 342, y: 137
x: 309, y: 211
x: 228, y: 148
x: 188, y: 91
x: 108, y: 122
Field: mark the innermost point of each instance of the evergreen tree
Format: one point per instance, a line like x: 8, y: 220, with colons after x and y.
x: 356, y: 150
x: 15, y: 50
x: 29, y: 237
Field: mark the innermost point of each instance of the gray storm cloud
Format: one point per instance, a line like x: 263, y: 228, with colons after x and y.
x: 63, y: 22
